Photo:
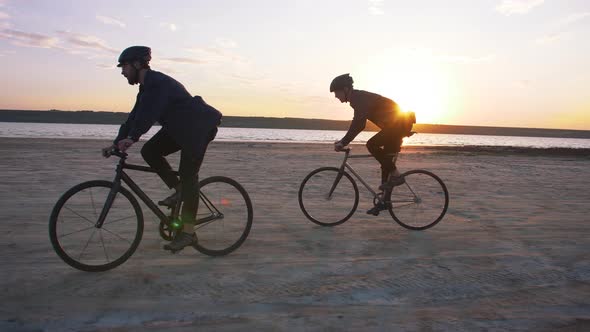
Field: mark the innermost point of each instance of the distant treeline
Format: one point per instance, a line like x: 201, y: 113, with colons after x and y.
x: 91, y: 117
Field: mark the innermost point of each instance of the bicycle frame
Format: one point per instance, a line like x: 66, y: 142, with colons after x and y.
x: 346, y: 165
x: 122, y: 176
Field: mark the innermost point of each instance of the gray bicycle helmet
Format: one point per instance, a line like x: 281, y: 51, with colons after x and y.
x: 341, y: 82
x: 135, y: 53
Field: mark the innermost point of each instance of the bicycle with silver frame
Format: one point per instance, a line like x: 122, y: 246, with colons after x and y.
x: 329, y: 196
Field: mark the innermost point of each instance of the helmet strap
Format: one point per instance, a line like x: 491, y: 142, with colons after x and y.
x: 347, y: 92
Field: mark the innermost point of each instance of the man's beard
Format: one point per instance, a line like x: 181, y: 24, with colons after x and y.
x: 132, y: 79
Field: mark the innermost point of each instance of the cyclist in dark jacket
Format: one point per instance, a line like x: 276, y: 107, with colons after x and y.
x: 384, y: 113
x: 188, y: 124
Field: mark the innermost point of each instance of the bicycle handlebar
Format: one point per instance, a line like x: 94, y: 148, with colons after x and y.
x: 115, y: 152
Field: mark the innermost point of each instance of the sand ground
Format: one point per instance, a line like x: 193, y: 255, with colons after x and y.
x: 511, y: 254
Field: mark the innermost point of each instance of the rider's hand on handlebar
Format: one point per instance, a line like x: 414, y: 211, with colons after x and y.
x: 124, y: 144
x: 106, y: 152
x: 338, y: 146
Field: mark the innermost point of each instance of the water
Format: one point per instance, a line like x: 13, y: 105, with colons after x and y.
x: 95, y: 131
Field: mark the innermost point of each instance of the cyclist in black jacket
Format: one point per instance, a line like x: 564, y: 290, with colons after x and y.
x: 384, y: 113
x: 188, y: 124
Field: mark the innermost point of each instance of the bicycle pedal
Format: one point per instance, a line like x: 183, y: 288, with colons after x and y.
x: 373, y: 213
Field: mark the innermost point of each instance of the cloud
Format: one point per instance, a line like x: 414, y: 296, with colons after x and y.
x: 463, y: 59
x: 375, y: 7
x: 248, y: 79
x: 170, y: 26
x: 549, y: 39
x: 431, y: 55
x: 105, y: 66
x: 110, y: 21
x: 226, y: 43
x: 522, y: 84
x: 573, y: 18
x: 28, y: 39
x: 185, y: 60
x: 86, y: 42
x: 4, y: 24
x: 509, y: 7
x: 216, y: 54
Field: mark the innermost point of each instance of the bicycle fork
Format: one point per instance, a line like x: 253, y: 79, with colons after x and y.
x: 110, y: 198
x: 336, y: 181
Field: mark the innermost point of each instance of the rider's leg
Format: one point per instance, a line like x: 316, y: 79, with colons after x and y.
x: 189, y: 179
x: 379, y: 146
x: 190, y: 164
x: 153, y: 152
x: 392, y: 149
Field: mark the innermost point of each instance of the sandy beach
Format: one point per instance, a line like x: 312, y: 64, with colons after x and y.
x: 510, y: 255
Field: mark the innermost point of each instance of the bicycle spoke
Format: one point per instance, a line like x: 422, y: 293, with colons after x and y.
x: 122, y: 238
x: 92, y: 200
x: 76, y: 213
x: 410, y: 188
x: 82, y: 230
x: 104, y: 247
x: 117, y: 220
x: 404, y: 205
x: 86, y: 246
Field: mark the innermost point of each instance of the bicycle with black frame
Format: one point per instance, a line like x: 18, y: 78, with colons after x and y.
x: 97, y: 225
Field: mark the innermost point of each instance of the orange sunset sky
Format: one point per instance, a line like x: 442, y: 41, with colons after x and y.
x: 516, y: 63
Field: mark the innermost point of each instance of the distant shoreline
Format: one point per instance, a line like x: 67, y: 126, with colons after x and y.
x: 359, y: 148
x: 115, y: 118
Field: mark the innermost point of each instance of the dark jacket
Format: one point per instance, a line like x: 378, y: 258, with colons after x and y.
x: 189, y: 120
x: 369, y: 106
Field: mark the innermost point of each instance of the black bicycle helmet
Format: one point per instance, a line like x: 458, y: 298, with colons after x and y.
x: 341, y: 82
x: 135, y: 53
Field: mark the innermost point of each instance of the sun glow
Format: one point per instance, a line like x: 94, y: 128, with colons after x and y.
x: 416, y: 82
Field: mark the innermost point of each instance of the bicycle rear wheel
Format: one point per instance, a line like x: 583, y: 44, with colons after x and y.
x: 328, y: 197
x: 75, y: 237
x: 226, y: 208
x: 421, y: 202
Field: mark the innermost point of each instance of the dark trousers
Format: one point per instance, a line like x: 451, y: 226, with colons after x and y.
x: 382, y: 146
x: 161, y: 145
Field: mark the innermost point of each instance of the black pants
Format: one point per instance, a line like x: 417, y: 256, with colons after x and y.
x: 382, y: 146
x: 161, y: 145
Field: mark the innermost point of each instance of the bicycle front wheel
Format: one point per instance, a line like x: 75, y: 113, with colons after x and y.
x: 77, y: 240
x: 328, y: 197
x: 419, y: 203
x: 224, y: 216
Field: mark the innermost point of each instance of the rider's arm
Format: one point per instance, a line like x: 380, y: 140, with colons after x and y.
x: 126, y: 126
x: 149, y: 109
x: 357, y: 125
x: 124, y: 129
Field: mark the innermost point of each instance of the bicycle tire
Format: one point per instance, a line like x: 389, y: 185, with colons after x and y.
x: 233, y: 200
x: 418, y: 182
x: 60, y: 211
x: 326, y: 183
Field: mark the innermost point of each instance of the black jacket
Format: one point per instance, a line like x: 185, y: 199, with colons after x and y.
x: 189, y: 120
x: 370, y: 106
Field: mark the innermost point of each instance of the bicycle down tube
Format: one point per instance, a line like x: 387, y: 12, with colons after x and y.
x: 346, y: 165
x: 150, y: 204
